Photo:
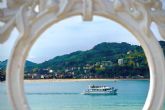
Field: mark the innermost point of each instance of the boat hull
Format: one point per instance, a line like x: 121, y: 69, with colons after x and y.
x: 100, y: 93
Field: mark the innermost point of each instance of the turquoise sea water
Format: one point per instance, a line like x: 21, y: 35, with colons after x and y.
x: 66, y: 96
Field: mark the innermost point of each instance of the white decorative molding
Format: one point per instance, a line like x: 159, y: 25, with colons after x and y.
x: 33, y: 17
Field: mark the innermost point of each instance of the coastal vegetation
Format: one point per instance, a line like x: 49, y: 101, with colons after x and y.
x: 105, y: 60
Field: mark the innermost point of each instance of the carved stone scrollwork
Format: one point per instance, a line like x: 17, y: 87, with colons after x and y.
x: 144, y: 11
x: 15, y: 16
x: 33, y: 17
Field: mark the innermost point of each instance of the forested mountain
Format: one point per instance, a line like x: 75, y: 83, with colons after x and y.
x: 105, y: 60
x: 101, y: 52
x: 29, y: 64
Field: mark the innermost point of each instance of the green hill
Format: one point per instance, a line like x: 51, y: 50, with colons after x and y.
x: 29, y: 64
x: 101, y: 52
x: 105, y: 60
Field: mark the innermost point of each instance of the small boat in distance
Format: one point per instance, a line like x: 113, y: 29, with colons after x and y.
x: 100, y: 90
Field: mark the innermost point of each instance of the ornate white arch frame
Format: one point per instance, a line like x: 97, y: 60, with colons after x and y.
x: 33, y: 17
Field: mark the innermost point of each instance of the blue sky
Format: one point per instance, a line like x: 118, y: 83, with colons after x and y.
x: 71, y: 35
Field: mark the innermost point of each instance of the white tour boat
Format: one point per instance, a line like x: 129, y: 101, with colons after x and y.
x: 104, y: 90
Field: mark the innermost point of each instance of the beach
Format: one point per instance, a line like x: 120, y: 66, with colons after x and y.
x: 74, y: 80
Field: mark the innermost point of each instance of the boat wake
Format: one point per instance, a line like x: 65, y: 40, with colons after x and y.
x: 52, y: 93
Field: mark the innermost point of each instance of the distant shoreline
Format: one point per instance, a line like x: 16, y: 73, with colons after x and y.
x: 75, y: 80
